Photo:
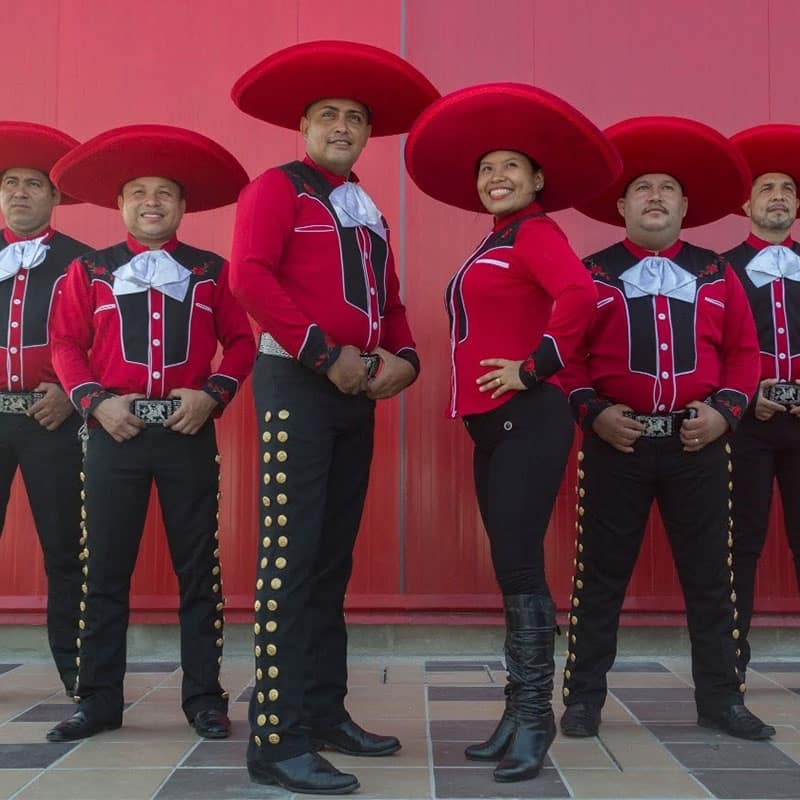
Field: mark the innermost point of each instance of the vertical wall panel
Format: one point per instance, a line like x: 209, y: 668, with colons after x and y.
x: 95, y: 64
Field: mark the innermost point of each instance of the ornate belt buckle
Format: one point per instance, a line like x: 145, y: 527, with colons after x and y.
x: 784, y: 393
x: 655, y: 427
x: 155, y: 412
x: 18, y: 402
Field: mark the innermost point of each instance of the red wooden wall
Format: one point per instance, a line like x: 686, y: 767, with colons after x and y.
x: 85, y: 65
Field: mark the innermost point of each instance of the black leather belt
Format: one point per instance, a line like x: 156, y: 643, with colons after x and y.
x: 154, y: 412
x: 18, y: 402
x: 660, y: 426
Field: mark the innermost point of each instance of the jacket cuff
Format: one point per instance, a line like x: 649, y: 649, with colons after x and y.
x: 586, y: 406
x: 87, y: 397
x: 221, y: 387
x: 730, y: 403
x: 319, y: 351
x: 410, y: 355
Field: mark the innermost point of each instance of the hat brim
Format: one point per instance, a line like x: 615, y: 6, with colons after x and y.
x: 711, y: 171
x: 96, y: 170
x: 29, y: 145
x: 770, y: 148
x: 450, y: 136
x: 281, y: 87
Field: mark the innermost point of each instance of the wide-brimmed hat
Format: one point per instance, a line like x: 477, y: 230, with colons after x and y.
x: 451, y: 135
x: 29, y: 145
x: 774, y: 147
x: 281, y: 87
x: 96, y: 170
x: 711, y: 171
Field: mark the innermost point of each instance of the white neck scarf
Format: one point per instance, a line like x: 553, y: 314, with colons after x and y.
x: 772, y: 263
x: 658, y: 275
x: 355, y: 207
x: 22, y: 255
x: 156, y: 269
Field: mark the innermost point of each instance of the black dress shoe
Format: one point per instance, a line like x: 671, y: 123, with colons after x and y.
x: 212, y: 723
x: 580, y: 720
x: 736, y: 721
x: 308, y: 773
x: 350, y: 738
x: 81, y: 726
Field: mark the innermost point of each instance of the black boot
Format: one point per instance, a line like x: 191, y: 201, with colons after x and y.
x: 530, y: 625
x: 494, y: 748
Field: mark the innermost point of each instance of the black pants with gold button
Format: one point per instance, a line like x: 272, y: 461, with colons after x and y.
x: 50, y: 463
x: 615, y: 493
x: 118, y: 479
x: 316, y: 449
x: 762, y: 453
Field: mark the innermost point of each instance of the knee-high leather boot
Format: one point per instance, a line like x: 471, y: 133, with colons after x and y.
x: 530, y: 625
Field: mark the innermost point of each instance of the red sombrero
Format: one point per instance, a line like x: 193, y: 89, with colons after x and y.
x: 770, y: 148
x: 279, y: 88
x: 451, y: 135
x: 96, y: 170
x: 29, y: 145
x: 713, y: 174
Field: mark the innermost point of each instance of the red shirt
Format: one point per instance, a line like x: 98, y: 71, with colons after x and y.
x: 656, y: 353
x: 522, y: 295
x: 311, y: 283
x: 26, y: 303
x: 147, y: 342
x: 776, y: 310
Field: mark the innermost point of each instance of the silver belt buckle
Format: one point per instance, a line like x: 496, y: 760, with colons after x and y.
x: 18, y: 402
x: 270, y: 347
x: 155, y: 412
x: 655, y: 426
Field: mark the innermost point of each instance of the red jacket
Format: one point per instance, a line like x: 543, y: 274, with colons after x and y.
x: 149, y: 343
x: 311, y: 283
x: 26, y: 305
x: 522, y: 295
x: 656, y: 353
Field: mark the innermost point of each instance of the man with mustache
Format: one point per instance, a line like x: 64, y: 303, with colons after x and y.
x: 666, y: 371
x: 313, y: 265
x: 767, y: 442
x: 38, y: 426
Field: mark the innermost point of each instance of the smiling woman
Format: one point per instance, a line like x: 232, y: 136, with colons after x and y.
x: 525, y: 273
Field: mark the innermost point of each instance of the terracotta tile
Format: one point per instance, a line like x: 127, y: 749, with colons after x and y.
x: 405, y: 673
x: 478, y: 782
x: 740, y: 784
x: 674, y: 784
x: 664, y: 680
x: 12, y: 780
x: 580, y: 753
x: 471, y: 678
x: 464, y: 709
x: 403, y: 729
x: 478, y: 693
x: 119, y: 784
x: 98, y: 754
x: 408, y: 783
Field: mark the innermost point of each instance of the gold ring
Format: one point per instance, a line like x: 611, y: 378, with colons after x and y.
x: 696, y: 441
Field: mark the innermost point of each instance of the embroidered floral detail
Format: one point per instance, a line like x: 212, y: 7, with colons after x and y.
x: 529, y: 366
x: 218, y: 390
x: 711, y: 269
x: 203, y: 269
x: 98, y: 270
x: 596, y: 271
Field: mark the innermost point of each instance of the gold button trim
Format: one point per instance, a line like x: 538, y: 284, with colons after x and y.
x: 267, y: 416
x: 266, y: 436
x: 283, y: 436
x: 271, y: 650
x: 257, y: 740
x: 273, y: 695
x: 282, y: 499
x: 281, y: 477
x: 271, y: 626
x: 282, y: 541
x: 273, y: 672
x: 283, y: 414
x: 272, y: 605
x: 274, y: 738
x: 266, y: 541
x: 276, y: 583
x: 261, y: 720
x: 280, y: 562
x: 273, y: 719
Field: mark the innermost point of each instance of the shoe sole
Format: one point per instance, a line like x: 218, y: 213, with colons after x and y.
x: 210, y: 734
x: 320, y: 745
x: 111, y: 726
x: 473, y: 757
x: 269, y: 780
x: 767, y: 732
x: 580, y: 733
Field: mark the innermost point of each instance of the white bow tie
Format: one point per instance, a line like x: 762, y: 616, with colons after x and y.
x: 354, y: 207
x: 658, y: 275
x: 773, y: 262
x: 22, y: 255
x: 156, y: 269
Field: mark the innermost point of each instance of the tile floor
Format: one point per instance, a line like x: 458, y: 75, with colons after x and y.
x: 649, y: 745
